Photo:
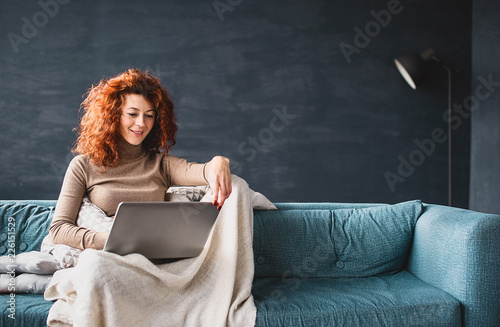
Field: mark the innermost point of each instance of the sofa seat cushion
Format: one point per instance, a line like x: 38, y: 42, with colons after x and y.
x: 30, y: 310
x: 393, y: 300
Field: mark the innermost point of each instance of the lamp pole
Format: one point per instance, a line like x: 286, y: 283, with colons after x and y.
x: 412, y: 68
x: 450, y: 190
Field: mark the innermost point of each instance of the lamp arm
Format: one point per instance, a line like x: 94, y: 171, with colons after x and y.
x: 436, y: 60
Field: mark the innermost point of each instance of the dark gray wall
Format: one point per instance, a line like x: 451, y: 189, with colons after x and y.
x: 349, y: 119
x: 485, y: 148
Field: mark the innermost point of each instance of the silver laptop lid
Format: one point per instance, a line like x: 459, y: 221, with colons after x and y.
x: 161, y: 230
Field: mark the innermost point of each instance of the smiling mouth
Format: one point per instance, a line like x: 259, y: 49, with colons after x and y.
x: 137, y: 133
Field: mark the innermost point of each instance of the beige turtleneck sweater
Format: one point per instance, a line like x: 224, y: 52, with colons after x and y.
x: 139, y: 176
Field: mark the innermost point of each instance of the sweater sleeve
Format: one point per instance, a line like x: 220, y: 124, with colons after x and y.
x: 181, y: 172
x: 63, y: 229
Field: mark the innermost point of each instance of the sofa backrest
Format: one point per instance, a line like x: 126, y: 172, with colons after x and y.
x: 332, y: 240
x: 302, y: 240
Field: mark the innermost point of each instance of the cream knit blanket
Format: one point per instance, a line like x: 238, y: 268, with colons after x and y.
x: 213, y: 289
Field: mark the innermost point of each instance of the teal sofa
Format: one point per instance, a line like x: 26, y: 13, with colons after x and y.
x: 336, y: 264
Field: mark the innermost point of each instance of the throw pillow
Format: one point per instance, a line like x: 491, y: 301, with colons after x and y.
x: 33, y: 262
x: 193, y: 193
x: 6, y: 283
x: 173, y: 197
x: 91, y: 217
x: 65, y: 255
x: 24, y: 283
x: 259, y: 201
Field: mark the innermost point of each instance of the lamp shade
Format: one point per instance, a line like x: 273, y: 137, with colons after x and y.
x: 414, y: 66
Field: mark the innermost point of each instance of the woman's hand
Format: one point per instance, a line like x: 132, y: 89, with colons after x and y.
x: 219, y: 178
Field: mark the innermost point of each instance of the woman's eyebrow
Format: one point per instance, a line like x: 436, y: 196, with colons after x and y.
x: 134, y: 108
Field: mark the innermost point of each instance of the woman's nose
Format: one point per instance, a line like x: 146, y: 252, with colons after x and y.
x: 139, y: 121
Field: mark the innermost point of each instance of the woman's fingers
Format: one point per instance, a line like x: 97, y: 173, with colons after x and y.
x: 224, y: 190
x: 220, y: 180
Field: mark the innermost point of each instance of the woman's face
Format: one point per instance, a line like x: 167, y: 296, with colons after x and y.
x: 137, y: 119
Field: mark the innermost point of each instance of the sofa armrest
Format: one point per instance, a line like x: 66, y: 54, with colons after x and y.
x: 458, y: 251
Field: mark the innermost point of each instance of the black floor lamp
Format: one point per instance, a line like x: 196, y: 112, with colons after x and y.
x: 413, y: 68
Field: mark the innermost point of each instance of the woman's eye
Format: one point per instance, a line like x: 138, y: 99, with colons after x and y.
x: 150, y: 116
x: 131, y: 114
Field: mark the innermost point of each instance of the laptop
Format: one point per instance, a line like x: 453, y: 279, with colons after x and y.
x: 161, y: 230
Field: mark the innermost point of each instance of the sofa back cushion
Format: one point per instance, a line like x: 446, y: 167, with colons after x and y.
x: 310, y: 241
x: 356, y: 242
x: 29, y: 219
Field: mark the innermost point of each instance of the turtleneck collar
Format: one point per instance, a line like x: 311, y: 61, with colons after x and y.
x: 129, y: 151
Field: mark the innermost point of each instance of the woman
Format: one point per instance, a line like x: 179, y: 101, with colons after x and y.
x: 124, y: 137
x: 125, y: 134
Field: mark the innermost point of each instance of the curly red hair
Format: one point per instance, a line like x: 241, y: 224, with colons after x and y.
x: 99, y: 127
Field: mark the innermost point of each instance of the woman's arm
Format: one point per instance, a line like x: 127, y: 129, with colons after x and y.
x: 63, y: 229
